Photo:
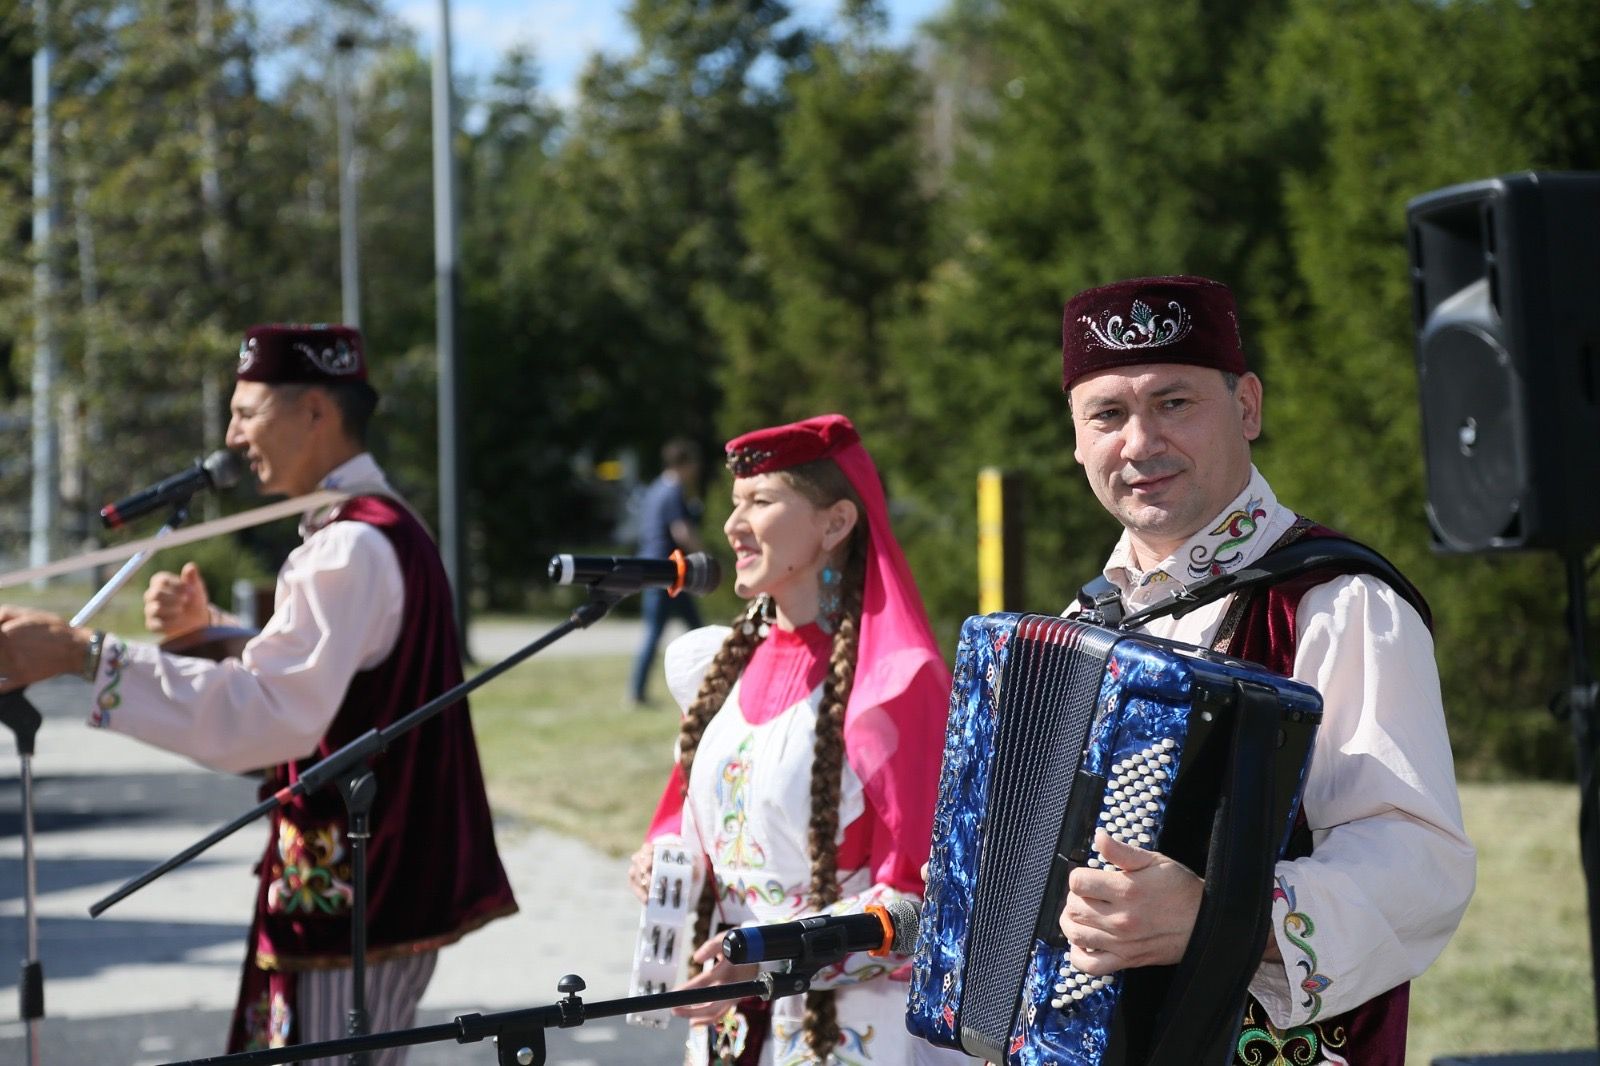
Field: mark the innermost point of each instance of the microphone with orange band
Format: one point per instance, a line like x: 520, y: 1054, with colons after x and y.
x: 697, y: 573
x: 882, y: 930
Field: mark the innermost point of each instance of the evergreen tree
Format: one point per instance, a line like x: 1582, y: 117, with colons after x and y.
x: 1405, y: 98
x: 838, y: 236
x: 1115, y: 139
x: 657, y: 138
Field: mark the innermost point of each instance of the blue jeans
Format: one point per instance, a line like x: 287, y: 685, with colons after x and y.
x: 657, y: 610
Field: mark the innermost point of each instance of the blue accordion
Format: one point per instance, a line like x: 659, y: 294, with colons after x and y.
x: 1057, y: 726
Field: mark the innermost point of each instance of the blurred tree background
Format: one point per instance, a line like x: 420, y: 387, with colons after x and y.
x: 740, y: 221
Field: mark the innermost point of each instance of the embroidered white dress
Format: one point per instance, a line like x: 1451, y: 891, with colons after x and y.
x: 747, y: 811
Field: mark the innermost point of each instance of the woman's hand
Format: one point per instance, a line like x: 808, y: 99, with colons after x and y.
x: 639, y: 870
x: 716, y: 971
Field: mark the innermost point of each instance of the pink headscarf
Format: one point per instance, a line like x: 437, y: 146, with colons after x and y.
x: 894, y: 721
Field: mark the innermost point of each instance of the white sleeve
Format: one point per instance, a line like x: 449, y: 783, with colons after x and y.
x: 687, y: 659
x: 1392, y: 868
x: 340, y: 600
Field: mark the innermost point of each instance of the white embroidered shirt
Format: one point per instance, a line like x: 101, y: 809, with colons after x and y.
x: 339, y: 602
x: 1392, y: 868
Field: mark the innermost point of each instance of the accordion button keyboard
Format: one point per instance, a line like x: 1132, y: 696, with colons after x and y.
x: 1127, y: 813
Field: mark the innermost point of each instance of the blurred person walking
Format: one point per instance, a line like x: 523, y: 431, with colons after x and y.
x: 669, y: 520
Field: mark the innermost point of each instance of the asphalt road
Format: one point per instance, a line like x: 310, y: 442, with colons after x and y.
x: 153, y: 979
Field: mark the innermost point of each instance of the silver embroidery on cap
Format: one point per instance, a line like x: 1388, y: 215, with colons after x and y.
x: 340, y: 358
x: 1142, y: 329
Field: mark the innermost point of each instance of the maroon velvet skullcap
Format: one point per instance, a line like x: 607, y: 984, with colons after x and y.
x: 780, y: 447
x: 284, y: 354
x: 1150, y: 320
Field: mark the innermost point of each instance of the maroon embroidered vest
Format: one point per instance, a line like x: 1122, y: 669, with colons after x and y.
x: 1373, y: 1034
x: 433, y: 872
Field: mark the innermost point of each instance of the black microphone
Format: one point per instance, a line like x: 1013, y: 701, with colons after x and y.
x: 697, y: 573
x: 828, y: 938
x: 219, y: 470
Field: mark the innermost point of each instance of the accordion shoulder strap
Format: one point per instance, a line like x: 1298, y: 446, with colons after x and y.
x: 1207, y: 996
x: 1103, y: 598
x: 1334, y: 554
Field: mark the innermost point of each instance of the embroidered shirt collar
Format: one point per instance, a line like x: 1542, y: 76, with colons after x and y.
x: 1238, y: 535
x: 360, y: 476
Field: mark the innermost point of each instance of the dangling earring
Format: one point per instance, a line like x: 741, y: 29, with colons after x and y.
x: 829, y: 604
x: 757, y: 621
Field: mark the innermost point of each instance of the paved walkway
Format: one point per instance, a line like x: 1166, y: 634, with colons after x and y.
x: 153, y: 979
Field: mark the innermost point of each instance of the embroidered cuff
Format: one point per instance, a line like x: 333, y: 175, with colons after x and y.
x: 1291, y: 992
x: 108, y: 681
x: 91, y: 656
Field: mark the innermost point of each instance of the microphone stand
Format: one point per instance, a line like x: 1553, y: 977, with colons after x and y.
x: 23, y: 719
x: 519, y: 1034
x: 179, y: 515
x: 19, y: 715
x: 359, y: 788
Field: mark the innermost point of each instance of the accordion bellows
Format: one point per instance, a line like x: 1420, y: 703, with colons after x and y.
x: 1056, y: 726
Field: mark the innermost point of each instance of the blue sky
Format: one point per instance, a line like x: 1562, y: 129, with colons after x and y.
x: 564, y: 33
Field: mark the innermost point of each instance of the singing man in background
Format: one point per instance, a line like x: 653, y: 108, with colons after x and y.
x: 1380, y: 871
x: 363, y: 633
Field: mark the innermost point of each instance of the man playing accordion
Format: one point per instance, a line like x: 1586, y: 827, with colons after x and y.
x: 1379, y: 869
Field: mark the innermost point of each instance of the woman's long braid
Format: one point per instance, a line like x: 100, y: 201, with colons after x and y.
x: 725, y: 668
x: 821, y: 1024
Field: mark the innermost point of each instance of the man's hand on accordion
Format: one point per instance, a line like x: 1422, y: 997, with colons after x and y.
x: 1139, y: 915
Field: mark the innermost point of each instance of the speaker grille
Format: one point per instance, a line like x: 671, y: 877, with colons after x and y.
x: 1471, y: 437
x: 1504, y: 274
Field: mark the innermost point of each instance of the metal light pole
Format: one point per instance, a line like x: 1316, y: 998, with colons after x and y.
x: 446, y: 271
x: 349, y: 258
x: 46, y: 457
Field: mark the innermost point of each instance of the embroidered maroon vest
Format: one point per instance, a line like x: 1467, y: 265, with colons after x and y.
x: 433, y: 872
x: 1373, y: 1034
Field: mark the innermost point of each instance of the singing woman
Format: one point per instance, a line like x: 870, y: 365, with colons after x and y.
x: 808, y: 759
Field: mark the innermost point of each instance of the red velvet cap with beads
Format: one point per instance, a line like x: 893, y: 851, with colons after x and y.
x: 1180, y: 319
x: 780, y: 447
x: 288, y: 353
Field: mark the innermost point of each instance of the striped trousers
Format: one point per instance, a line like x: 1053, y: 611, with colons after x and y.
x: 394, y: 987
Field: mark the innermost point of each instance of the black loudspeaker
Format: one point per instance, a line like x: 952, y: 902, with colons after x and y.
x: 1505, y: 277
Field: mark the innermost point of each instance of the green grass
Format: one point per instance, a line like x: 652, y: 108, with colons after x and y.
x: 124, y: 614
x: 561, y: 751
x: 1517, y: 975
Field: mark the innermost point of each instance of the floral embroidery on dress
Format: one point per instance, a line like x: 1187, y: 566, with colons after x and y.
x: 1299, y: 929
x: 311, y: 877
x: 1263, y: 1044
x: 108, y: 698
x: 792, y: 1050
x: 1235, y: 529
x: 734, y: 843
x: 841, y: 973
x: 771, y: 892
x: 266, y: 1022
x: 729, y: 1035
